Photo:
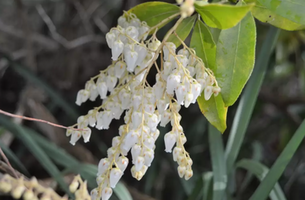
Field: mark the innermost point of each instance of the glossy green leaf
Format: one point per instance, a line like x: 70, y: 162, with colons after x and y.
x: 222, y: 16
x: 183, y: 30
x: 280, y: 164
x: 204, y: 45
x: 235, y: 58
x: 214, y: 110
x: 290, y: 9
x: 260, y: 171
x: 218, y: 163
x: 154, y: 13
x: 265, y: 15
x: 248, y: 99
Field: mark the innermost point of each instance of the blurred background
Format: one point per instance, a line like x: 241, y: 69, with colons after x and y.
x: 50, y: 48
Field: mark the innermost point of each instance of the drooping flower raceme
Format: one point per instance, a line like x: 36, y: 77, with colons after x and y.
x: 123, y: 89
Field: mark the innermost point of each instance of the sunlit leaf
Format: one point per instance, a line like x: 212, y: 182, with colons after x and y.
x: 222, y: 16
x: 204, y: 45
x: 265, y: 15
x: 183, y: 30
x: 214, y: 110
x: 292, y: 10
x: 155, y: 12
x: 235, y: 58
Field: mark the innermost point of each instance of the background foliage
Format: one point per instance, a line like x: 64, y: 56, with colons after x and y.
x: 48, y: 49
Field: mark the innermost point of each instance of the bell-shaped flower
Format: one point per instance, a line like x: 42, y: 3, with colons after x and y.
x: 131, y: 138
x: 122, y: 21
x: 104, y: 119
x: 181, y: 92
x: 82, y: 96
x: 115, y: 176
x: 139, y: 162
x: 148, y: 157
x: 169, y: 140
x: 117, y: 49
x: 110, y: 38
x: 176, y: 152
x: 82, y: 122
x: 149, y: 142
x: 136, y: 118
x: 92, y: 117
x: 130, y: 59
x: 167, y: 69
x: 116, y: 141
x: 188, y: 174
x: 119, y: 69
x: 75, y: 137
x: 168, y: 48
x: 102, y: 89
x: 122, y: 163
x: 181, y: 171
x: 154, y: 45
x: 94, y: 194
x: 144, y: 31
x: 159, y: 89
x: 135, y: 152
x: 162, y: 105
x: 86, y: 133
x: 132, y: 32
x: 142, y: 52
x: 196, y: 90
x: 135, y: 22
x: 106, y: 193
x: 189, y: 98
x: 155, y: 134
x: 152, y: 121
x: 111, y: 82
x: 208, y: 91
x: 183, y: 52
x: 165, y: 118
x: 125, y: 98
x: 216, y: 90
x: 173, y: 81
x: 103, y: 165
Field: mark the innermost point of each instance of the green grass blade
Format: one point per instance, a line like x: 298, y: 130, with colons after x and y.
x: 207, y: 185
x: 218, y: 163
x: 280, y: 164
x: 14, y: 160
x: 257, y: 156
x: 197, y: 191
x: 248, y: 99
x: 24, y: 72
x: 260, y: 171
x: 87, y: 171
x: 35, y: 149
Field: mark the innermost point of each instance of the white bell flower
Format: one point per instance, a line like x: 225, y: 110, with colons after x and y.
x: 208, y: 91
x: 82, y: 96
x: 181, y: 171
x: 117, y: 49
x: 162, y: 105
x: 189, y: 98
x: 110, y: 38
x: 170, y: 141
x: 216, y: 90
x: 104, y: 119
x: 144, y: 31
x: 173, y: 81
x: 196, y: 90
x: 155, y: 134
x: 106, y: 193
x: 181, y: 92
x: 135, y: 22
x: 111, y: 81
x: 135, y: 152
x: 94, y: 194
x: 188, y: 174
x: 130, y: 59
x: 103, y: 165
x: 120, y: 69
x: 102, y: 89
x: 148, y: 157
x: 167, y: 48
x: 165, y: 118
x: 86, y: 133
x: 136, y: 119
x: 122, y: 21
x: 115, y: 176
x: 176, y: 152
x: 75, y: 136
x: 183, y: 52
x: 122, y: 163
x: 139, y: 162
x: 132, y: 32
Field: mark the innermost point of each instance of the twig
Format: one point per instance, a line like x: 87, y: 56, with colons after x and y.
x: 37, y: 38
x: 60, y: 39
x: 83, y: 16
x: 8, y: 163
x: 37, y: 120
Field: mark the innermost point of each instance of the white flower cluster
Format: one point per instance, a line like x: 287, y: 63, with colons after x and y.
x: 124, y: 89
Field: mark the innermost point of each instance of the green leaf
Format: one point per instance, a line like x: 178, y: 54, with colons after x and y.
x: 260, y: 171
x: 183, y: 30
x: 204, y: 45
x: 222, y: 16
x: 292, y: 10
x: 155, y: 12
x: 207, y: 185
x: 248, y: 99
x: 235, y: 58
x: 214, y: 110
x: 265, y: 15
x: 280, y: 164
x: 218, y: 163
x: 36, y: 150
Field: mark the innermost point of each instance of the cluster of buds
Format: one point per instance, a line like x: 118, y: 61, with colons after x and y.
x: 123, y: 88
x: 186, y: 7
x: 28, y: 189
